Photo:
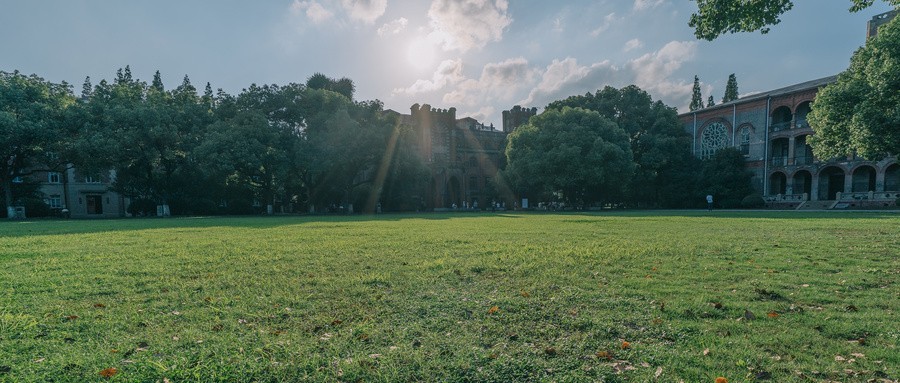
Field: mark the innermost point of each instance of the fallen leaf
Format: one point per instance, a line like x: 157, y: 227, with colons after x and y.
x: 336, y: 322
x: 374, y: 356
x: 626, y: 345
x: 550, y: 351
x: 524, y: 294
x: 72, y: 317
x: 717, y: 305
x: 772, y: 314
x: 839, y: 358
x: 658, y: 372
x: 721, y: 380
x: 705, y: 351
x: 852, y: 308
x: 604, y: 355
x: 109, y: 372
x: 493, y: 310
x: 645, y: 365
x: 99, y: 305
x: 38, y: 360
x: 858, y: 355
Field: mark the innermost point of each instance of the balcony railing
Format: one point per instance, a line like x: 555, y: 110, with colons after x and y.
x: 779, y: 126
x: 803, y: 160
x: 779, y: 161
x: 801, y: 123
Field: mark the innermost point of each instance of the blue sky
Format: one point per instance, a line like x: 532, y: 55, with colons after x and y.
x: 480, y: 56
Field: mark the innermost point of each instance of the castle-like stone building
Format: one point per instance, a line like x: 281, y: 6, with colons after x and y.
x: 463, y: 155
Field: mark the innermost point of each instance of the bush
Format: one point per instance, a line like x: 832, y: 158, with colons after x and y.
x: 753, y: 201
x: 897, y: 202
x: 35, y: 207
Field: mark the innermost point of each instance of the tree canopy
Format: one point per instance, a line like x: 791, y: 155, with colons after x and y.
x: 576, y: 153
x: 731, y: 89
x: 696, y: 96
x: 860, y: 113
x: 717, y: 17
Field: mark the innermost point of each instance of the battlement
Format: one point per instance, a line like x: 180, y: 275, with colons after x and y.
x: 517, y: 116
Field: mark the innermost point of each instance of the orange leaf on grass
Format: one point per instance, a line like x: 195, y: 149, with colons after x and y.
x: 772, y: 314
x: 604, y: 355
x: 72, y: 317
x: 721, y: 380
x: 626, y: 345
x: 493, y: 310
x: 109, y: 372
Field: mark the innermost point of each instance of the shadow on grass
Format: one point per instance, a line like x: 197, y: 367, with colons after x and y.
x: 62, y: 227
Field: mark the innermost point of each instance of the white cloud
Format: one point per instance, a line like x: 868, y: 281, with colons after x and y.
x: 633, y: 44
x: 641, y: 5
x: 652, y: 72
x: 557, y: 24
x: 394, y: 27
x: 498, y: 81
x: 314, y: 11
x: 366, y: 11
x: 448, y: 72
x: 607, y: 22
x: 464, y: 25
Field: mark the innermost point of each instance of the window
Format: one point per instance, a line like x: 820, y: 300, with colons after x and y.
x: 53, y: 177
x: 17, y: 180
x: 745, y: 141
x: 714, y: 137
x: 55, y: 201
x: 91, y: 179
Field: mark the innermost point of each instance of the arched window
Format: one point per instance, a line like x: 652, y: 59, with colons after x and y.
x: 714, y: 137
x: 745, y: 140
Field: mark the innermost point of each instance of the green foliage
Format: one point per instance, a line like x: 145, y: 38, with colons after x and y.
x: 696, y: 96
x: 731, y: 89
x: 860, y: 113
x: 710, y: 102
x: 664, y: 175
x: 34, y: 132
x: 753, y: 201
x: 407, y: 298
x: 726, y: 177
x: 717, y: 17
x: 573, y: 152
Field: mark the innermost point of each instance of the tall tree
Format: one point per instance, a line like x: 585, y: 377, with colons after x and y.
x: 659, y: 144
x: 33, y: 132
x: 710, y: 102
x: 717, y: 17
x: 726, y: 177
x: 860, y: 112
x: 731, y: 89
x: 696, y: 96
x: 572, y: 152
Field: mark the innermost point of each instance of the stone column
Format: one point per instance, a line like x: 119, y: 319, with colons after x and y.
x: 848, y: 182
x: 879, y: 181
x: 814, y: 188
x: 791, y: 141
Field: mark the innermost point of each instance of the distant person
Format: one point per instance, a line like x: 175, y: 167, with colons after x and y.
x: 709, y: 202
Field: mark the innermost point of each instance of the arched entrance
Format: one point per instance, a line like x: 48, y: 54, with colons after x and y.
x: 803, y: 182
x: 777, y: 183
x: 781, y: 119
x: 864, y: 179
x: 892, y: 178
x: 831, y: 182
x: 454, y: 192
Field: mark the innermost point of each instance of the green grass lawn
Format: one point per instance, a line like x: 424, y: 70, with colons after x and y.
x: 782, y: 297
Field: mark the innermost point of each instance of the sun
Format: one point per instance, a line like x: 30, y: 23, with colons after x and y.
x: 421, y: 53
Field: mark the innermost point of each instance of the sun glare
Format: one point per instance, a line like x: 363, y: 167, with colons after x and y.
x: 421, y: 53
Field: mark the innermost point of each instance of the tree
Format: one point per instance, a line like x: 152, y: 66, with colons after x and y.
x: 710, y: 102
x: 860, y: 112
x: 33, y: 132
x: 717, y: 17
x: 726, y: 177
x: 696, y: 96
x: 574, y: 153
x: 659, y: 144
x: 731, y: 89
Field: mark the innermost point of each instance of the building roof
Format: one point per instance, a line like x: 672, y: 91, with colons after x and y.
x: 812, y: 84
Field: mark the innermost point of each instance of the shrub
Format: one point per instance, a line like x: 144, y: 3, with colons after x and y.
x: 753, y: 201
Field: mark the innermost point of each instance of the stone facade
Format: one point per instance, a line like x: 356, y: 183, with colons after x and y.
x: 83, y: 196
x: 771, y: 130
x: 463, y: 155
